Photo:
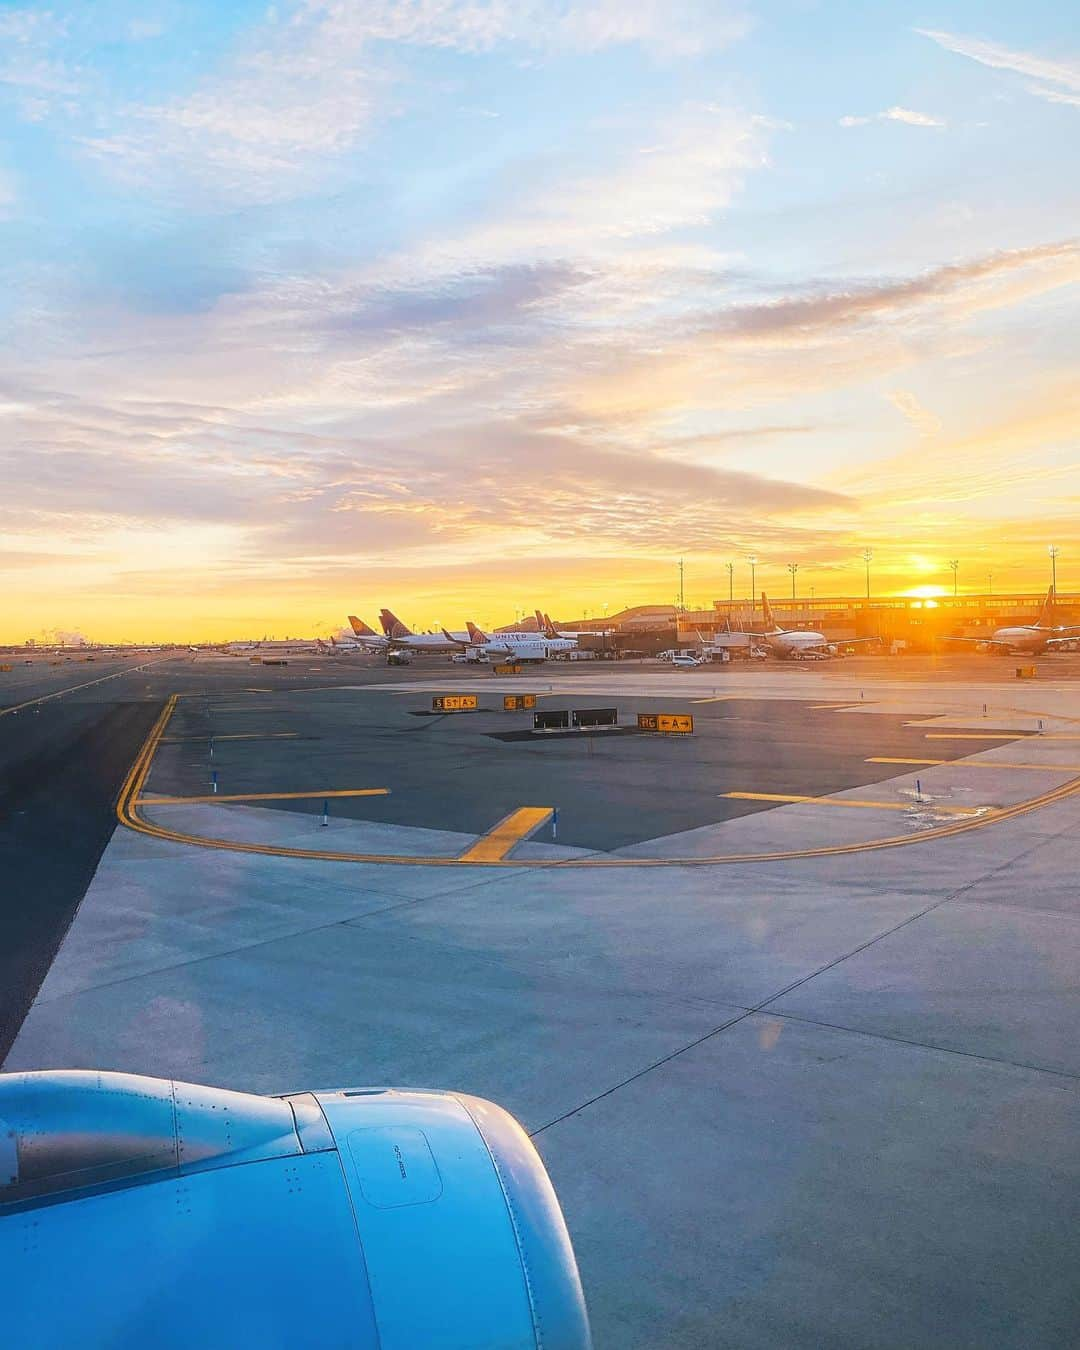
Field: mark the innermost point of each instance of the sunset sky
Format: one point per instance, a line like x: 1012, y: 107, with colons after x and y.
x: 460, y: 306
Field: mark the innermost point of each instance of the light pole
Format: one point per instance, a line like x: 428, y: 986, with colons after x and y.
x: 954, y: 563
x: 1053, y: 551
x: 990, y: 583
x: 730, y: 586
x: 793, y: 567
x: 682, y: 592
x: 752, y: 560
x: 867, y: 555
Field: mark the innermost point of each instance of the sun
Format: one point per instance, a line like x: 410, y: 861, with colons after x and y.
x: 925, y: 592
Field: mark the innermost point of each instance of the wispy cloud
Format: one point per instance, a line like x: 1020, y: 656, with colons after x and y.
x: 1053, y: 76
x: 1054, y: 95
x: 8, y: 193
x: 968, y: 283
x: 33, y: 75
x: 665, y: 27
x: 925, y: 422
x: 290, y: 338
x: 312, y: 83
x: 895, y: 114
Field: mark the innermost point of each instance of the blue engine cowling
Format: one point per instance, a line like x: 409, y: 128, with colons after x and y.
x: 139, y: 1210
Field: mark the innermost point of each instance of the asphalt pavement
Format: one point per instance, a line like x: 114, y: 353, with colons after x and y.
x: 61, y: 767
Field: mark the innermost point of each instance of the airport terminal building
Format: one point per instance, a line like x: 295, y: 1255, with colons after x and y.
x: 901, y: 622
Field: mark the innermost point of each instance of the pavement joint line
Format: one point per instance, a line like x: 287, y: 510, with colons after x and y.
x: 846, y: 801
x: 647, y: 1069
x: 264, y: 796
x: 495, y: 960
x: 240, y: 707
x: 507, y: 834
x: 1057, y: 915
x: 399, y: 902
x: 980, y: 764
x: 978, y: 735
x: 214, y: 956
x: 233, y: 736
x: 127, y: 814
x: 919, y: 1045
x: 763, y: 1006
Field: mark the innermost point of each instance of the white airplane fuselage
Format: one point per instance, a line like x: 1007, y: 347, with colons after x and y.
x: 526, y: 647
x: 431, y: 644
x: 365, y: 646
x: 788, y: 644
x: 1033, y: 639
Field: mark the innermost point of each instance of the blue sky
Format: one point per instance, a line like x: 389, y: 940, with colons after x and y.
x: 458, y: 303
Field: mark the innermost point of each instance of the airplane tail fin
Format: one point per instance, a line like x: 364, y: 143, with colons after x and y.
x: 360, y: 628
x: 547, y: 627
x: 770, y: 618
x: 392, y: 625
x: 475, y: 635
x: 1046, y: 614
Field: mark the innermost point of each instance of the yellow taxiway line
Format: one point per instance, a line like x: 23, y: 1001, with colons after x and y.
x: 847, y: 801
x: 127, y: 814
x: 265, y: 796
x: 890, y: 759
x: 510, y: 831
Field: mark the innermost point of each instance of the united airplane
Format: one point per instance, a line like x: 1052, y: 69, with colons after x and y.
x: 516, y: 646
x: 401, y: 637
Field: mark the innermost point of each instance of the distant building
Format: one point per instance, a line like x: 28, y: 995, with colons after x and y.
x: 921, y: 624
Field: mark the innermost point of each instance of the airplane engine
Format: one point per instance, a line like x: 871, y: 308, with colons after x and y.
x: 140, y: 1211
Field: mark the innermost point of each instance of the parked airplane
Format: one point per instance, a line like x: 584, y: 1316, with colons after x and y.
x: 515, y: 646
x: 364, y: 639
x: 274, y: 645
x: 793, y: 643
x: 402, y: 638
x: 546, y: 626
x: 1030, y: 637
x: 337, y: 646
x: 367, y: 637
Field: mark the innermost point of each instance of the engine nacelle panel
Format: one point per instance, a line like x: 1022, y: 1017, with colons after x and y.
x: 138, y: 1210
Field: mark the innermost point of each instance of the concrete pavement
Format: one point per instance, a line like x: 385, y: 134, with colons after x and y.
x: 822, y: 1101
